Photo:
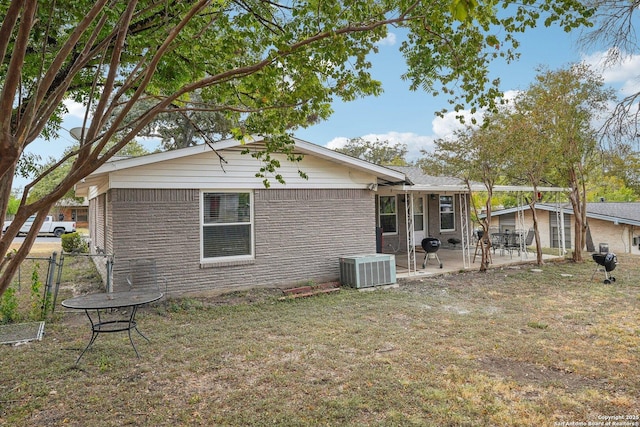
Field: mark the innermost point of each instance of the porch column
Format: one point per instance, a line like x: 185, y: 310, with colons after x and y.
x: 464, y: 230
x: 411, y: 247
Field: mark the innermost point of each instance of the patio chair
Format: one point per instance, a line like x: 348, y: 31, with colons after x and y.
x: 528, y: 240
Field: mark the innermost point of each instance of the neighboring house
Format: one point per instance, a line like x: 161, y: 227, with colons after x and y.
x: 72, y: 210
x: 211, y: 225
x: 615, y: 224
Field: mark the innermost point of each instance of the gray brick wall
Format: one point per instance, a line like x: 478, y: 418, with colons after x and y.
x: 299, y: 236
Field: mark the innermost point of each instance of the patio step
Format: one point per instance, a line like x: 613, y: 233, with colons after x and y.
x: 307, y: 291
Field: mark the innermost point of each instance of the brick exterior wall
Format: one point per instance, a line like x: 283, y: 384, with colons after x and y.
x: 299, y: 236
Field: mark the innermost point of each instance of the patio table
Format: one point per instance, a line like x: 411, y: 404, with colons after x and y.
x: 93, y: 304
x: 507, y: 241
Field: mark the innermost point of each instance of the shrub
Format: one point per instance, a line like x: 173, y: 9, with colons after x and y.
x: 9, y: 306
x: 74, y: 243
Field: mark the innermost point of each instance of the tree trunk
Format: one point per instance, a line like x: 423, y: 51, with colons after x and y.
x: 536, y: 232
x: 574, y: 197
x: 486, y: 240
x: 5, y: 192
x: 585, y: 225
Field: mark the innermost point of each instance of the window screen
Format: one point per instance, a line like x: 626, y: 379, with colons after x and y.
x: 226, y: 225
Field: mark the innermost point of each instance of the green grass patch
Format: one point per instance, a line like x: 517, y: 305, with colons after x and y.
x: 501, y: 348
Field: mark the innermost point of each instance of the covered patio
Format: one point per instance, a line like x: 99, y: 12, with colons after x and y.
x: 453, y: 262
x: 441, y: 208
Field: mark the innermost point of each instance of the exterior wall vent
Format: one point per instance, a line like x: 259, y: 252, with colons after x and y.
x: 364, y: 271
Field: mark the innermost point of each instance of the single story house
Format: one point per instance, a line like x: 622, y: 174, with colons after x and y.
x: 612, y: 224
x: 70, y: 209
x: 211, y: 225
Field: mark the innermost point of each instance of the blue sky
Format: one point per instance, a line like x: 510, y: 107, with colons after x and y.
x: 402, y: 116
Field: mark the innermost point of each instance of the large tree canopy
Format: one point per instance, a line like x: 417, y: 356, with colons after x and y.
x: 545, y: 136
x: 272, y: 66
x: 564, y: 105
x: 379, y: 152
x: 615, y: 25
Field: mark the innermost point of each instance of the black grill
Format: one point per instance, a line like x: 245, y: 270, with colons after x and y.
x: 608, y: 261
x: 430, y: 246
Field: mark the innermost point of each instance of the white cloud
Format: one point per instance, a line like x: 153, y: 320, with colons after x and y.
x: 622, y: 74
x: 445, y: 126
x: 390, y: 40
x: 338, y: 142
x: 75, y: 109
x: 415, y: 143
x: 510, y: 95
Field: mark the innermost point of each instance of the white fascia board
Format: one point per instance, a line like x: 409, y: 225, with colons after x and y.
x: 440, y: 188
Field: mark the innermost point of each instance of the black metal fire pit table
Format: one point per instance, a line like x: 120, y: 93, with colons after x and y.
x: 93, y: 304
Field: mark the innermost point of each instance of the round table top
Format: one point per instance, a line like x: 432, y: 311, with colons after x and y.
x: 112, y: 300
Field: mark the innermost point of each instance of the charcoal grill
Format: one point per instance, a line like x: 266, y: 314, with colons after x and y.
x: 608, y: 261
x: 430, y: 246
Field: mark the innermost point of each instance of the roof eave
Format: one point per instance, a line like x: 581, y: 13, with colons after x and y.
x: 613, y: 219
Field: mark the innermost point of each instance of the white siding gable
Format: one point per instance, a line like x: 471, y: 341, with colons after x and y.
x: 207, y: 171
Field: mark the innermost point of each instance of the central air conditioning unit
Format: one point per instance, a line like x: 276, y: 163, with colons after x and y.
x: 364, y: 271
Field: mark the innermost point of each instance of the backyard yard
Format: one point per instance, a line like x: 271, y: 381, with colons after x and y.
x: 512, y: 346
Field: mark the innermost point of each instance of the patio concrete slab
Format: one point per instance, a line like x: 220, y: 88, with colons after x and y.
x: 452, y: 262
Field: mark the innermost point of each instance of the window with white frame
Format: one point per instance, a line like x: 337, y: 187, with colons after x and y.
x: 447, y: 214
x: 388, y: 214
x: 227, y: 225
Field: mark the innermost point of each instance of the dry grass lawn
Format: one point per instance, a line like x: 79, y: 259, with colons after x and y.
x: 502, y: 348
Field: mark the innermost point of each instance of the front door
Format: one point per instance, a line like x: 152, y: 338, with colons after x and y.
x: 419, y: 219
